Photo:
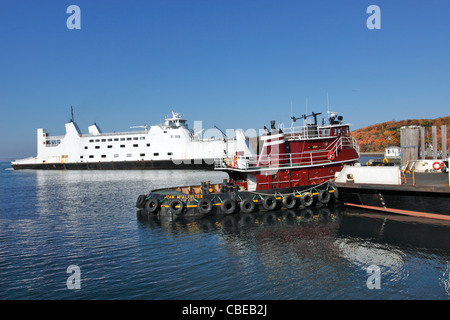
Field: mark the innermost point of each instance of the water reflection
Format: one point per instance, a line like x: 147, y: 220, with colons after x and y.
x: 334, y: 237
x: 397, y: 230
x: 282, y: 254
x: 342, y: 222
x: 240, y: 224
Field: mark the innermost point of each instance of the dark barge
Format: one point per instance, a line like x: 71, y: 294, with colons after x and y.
x: 293, y: 168
x: 415, y: 194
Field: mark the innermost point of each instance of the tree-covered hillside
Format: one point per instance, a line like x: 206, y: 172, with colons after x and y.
x: 376, y: 138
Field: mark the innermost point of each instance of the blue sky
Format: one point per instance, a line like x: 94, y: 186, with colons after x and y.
x: 230, y: 63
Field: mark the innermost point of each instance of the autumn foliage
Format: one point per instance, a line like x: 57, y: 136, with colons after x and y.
x: 376, y: 138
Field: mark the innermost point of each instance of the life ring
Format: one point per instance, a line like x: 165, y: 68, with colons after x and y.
x: 204, y: 206
x: 385, y: 160
x: 247, y: 205
x: 324, y: 196
x: 270, y: 203
x: 307, y: 199
x: 436, y: 166
x: 176, y: 206
x: 289, y: 202
x: 233, y: 162
x: 228, y: 206
x: 331, y: 155
x: 152, y: 205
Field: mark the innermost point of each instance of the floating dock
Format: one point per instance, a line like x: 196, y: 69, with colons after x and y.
x: 388, y: 189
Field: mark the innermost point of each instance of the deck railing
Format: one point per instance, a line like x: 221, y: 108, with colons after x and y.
x: 288, y: 159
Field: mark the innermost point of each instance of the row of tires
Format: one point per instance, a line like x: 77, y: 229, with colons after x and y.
x: 231, y: 205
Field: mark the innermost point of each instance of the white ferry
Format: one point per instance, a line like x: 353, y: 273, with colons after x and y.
x: 171, y: 145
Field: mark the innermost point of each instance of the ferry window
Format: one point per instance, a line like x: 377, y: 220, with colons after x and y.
x: 97, y: 140
x: 177, y: 136
x: 116, y: 139
x: 81, y: 157
x: 97, y: 147
x: 85, y: 148
x: 148, y: 144
x: 91, y: 156
x: 103, y: 140
x: 128, y: 139
x: 109, y: 139
x: 122, y: 146
x: 142, y: 155
x: 91, y: 140
x: 135, y: 145
x: 165, y: 131
x: 129, y: 155
x: 142, y: 138
x: 135, y: 138
x: 103, y: 155
x: 156, y: 154
x: 116, y: 155
x: 122, y: 139
x: 110, y: 146
x: 169, y: 153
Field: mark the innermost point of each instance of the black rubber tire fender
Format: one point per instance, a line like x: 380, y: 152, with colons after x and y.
x: 204, y: 206
x: 176, y: 206
x: 336, y: 193
x: 324, y: 196
x: 152, y: 205
x: 228, y: 206
x: 247, y: 205
x: 270, y: 203
x: 307, y: 199
x: 140, y: 202
x: 289, y: 202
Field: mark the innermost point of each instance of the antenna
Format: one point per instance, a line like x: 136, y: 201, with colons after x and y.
x: 328, y: 104
x: 292, y: 116
x: 306, y: 106
x: 71, y: 111
x: 291, y: 110
x: 304, y: 118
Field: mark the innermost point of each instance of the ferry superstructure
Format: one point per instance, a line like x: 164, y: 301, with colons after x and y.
x: 171, y: 145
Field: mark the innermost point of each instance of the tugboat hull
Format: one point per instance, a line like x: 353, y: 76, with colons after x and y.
x: 176, y: 202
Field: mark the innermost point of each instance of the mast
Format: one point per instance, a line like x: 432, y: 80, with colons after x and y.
x: 71, y: 112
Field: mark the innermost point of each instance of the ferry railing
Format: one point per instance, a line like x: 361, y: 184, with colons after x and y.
x: 103, y: 134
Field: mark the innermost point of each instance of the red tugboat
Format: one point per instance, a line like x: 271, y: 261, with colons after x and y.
x: 293, y: 167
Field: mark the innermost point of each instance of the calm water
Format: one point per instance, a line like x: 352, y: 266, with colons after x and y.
x: 52, y: 220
